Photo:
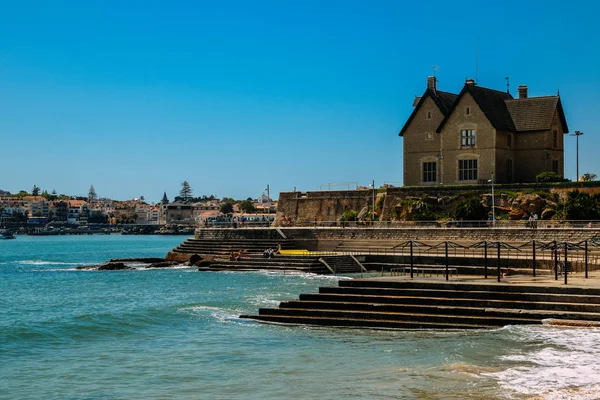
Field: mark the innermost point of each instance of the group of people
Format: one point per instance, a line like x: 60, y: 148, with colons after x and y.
x: 238, y: 256
x: 238, y: 221
x: 532, y: 221
x: 269, y: 253
x: 286, y: 221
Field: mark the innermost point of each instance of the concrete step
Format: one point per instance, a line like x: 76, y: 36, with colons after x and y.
x: 467, y: 286
x: 246, y: 267
x: 466, y: 294
x: 360, y: 323
x: 487, y: 320
x: 440, y: 309
x: 448, y: 301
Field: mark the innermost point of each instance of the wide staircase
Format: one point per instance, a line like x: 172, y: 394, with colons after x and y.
x: 279, y: 263
x: 344, y: 264
x: 221, y: 247
x: 372, y: 303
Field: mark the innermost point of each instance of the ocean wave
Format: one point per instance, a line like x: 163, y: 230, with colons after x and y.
x: 44, y: 262
x: 264, y: 301
x: 218, y: 313
x: 552, y: 362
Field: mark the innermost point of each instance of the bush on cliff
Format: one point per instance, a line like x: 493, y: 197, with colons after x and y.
x: 582, y: 206
x: 549, y: 176
x: 470, y: 209
x: 350, y: 215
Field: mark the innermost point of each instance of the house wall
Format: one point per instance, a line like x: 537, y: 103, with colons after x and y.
x: 504, y: 154
x: 417, y: 147
x: 536, y: 151
x: 452, y: 150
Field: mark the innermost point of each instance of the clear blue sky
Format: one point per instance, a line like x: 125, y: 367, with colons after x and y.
x: 135, y: 97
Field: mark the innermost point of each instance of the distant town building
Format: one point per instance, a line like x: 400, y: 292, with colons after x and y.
x: 176, y: 213
x: 464, y: 138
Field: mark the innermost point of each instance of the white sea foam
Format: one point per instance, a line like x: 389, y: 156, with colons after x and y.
x: 220, y: 314
x: 44, y: 262
x: 553, y: 363
x: 263, y: 300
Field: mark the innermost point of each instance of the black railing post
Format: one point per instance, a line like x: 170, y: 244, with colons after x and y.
x: 586, y: 259
x: 446, y: 243
x: 411, y: 259
x: 498, y: 244
x: 566, y: 270
x: 485, y: 271
x: 555, y: 262
x: 534, y: 258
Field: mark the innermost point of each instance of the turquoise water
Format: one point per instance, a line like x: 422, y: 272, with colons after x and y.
x: 175, y: 334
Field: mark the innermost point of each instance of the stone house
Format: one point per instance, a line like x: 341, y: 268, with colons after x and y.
x: 465, y: 138
x: 176, y: 213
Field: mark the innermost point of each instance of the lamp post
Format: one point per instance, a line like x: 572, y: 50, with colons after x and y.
x: 373, y: 211
x: 269, y: 206
x: 493, y: 202
x: 577, y: 134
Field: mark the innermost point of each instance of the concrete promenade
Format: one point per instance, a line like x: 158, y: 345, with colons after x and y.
x: 573, y: 280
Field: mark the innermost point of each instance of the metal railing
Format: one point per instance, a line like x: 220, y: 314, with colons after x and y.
x: 451, y: 224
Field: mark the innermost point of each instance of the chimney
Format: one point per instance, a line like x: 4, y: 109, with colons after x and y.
x: 522, y: 91
x: 431, y: 83
x: 470, y: 82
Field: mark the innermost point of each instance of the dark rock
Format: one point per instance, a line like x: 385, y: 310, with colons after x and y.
x: 113, y: 266
x: 147, y: 260
x: 163, y: 264
x: 203, y: 263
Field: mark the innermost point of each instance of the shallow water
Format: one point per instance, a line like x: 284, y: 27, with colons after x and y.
x: 175, y: 333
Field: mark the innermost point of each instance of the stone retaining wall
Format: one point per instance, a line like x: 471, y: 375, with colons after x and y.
x: 402, y: 234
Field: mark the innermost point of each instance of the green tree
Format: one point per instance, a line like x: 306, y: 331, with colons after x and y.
x: 35, y: 191
x: 228, y: 200
x: 92, y: 196
x: 226, y: 208
x: 470, y: 209
x: 350, y: 215
x: 22, y: 193
x: 549, y: 176
x: 247, y: 206
x: 587, y: 177
x: 186, y: 191
x: 582, y: 206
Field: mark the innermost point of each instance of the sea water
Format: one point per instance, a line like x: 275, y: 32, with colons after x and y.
x: 175, y: 333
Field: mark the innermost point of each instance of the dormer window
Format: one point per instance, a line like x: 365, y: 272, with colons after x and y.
x: 467, y: 137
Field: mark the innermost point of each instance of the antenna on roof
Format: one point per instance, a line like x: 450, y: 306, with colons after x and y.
x: 507, y: 85
x: 558, y: 92
x: 477, y: 61
x: 435, y: 68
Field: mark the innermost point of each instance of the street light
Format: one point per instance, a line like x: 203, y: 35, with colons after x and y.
x: 577, y: 134
x: 493, y: 202
x: 269, y: 205
x: 373, y: 211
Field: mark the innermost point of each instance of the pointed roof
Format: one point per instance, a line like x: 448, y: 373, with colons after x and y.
x: 443, y: 100
x: 536, y: 113
x: 165, y: 200
x: 502, y: 110
x: 491, y: 102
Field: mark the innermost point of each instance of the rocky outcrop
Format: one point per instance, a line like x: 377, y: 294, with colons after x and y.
x: 179, y: 257
x: 163, y: 264
x: 119, y: 264
x: 113, y: 266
